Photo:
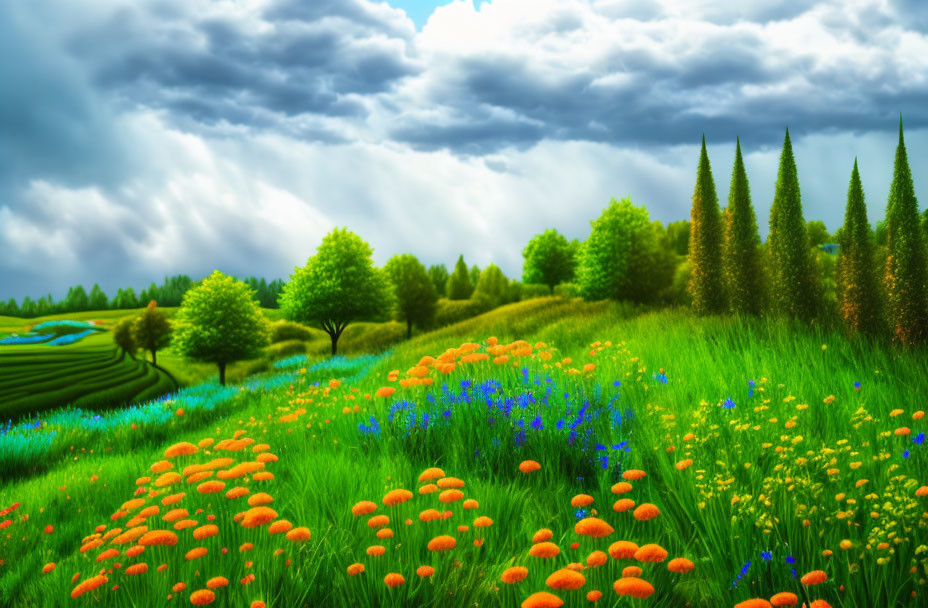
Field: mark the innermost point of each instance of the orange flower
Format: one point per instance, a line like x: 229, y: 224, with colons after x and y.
x: 651, y: 553
x: 566, y: 579
x: 542, y: 535
x: 596, y: 559
x: 363, y: 508
x: 139, y: 568
x: 206, y: 531
x: 646, y: 511
x: 680, y: 565
x: 450, y: 495
x: 378, y: 521
x: 184, y: 524
x: 394, y: 579
x: 428, y: 489
x: 385, y: 533
x: 633, y: 475
x: 161, y: 466
x: 542, y: 599
x: 170, y: 499
x: 623, y: 549
x: 376, y: 550
x: 385, y: 391
x: 821, y: 604
x: 298, y: 534
x: 280, y: 526
x: 261, y: 498
x: 175, y: 514
x: 258, y: 604
x: 178, y: 587
x: 395, y: 497
x: 684, y: 464
x: 429, y: 515
x: 430, y: 474
x: 514, y: 574
x: 753, y: 603
x: 634, y: 587
x: 544, y: 549
x: 158, y: 537
x: 633, y: 571
x: 623, y: 504
x: 816, y: 577
x: 196, y: 553
x: 594, y: 596
x: 529, y: 466
x: 784, y: 599
x: 593, y: 527
x: 108, y: 554
x: 202, y: 597
x: 217, y: 581
x: 89, y: 585
x: 581, y: 500
x: 442, y: 543
x: 184, y: 448
x: 425, y: 571
x: 483, y: 522
x: 258, y: 516
x: 622, y: 487
x: 355, y: 569
x: 48, y: 567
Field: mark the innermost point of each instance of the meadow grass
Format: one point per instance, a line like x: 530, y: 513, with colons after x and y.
x: 782, y: 427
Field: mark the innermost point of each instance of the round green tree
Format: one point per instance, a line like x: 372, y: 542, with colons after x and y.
x: 623, y: 258
x: 549, y: 260
x: 741, y: 254
x: 414, y: 291
x: 705, y: 244
x: 337, y: 286
x: 439, y: 275
x: 152, y: 331
x: 493, y: 288
x: 459, y: 283
x: 220, y: 322
x: 123, y: 336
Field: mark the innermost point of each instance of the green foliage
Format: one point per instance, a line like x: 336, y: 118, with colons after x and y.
x: 678, y: 237
x: 705, y: 245
x: 529, y: 291
x: 793, y: 290
x: 474, y: 276
x: 567, y: 290
x: 741, y: 254
x: 459, y: 284
x: 856, y: 280
x: 124, y: 337
x: 623, y: 258
x: 281, y: 331
x: 549, y: 259
x: 439, y: 275
x: 286, y: 348
x: 97, y: 299
x: 77, y: 299
x: 337, y: 286
x: 152, y: 331
x: 817, y: 233
x: 448, y: 312
x: 905, y: 264
x: 414, y: 291
x: 125, y: 298
x: 219, y: 322
x: 493, y: 288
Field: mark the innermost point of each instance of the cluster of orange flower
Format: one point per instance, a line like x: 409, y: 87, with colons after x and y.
x: 448, y: 492
x: 160, y: 517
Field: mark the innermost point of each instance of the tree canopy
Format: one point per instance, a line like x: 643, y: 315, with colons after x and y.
x: 414, y: 291
x: 548, y: 260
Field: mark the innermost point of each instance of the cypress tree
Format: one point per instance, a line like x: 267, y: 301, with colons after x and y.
x: 905, y: 264
x: 741, y: 257
x: 793, y: 285
x: 858, y: 297
x: 705, y: 246
x: 459, y: 284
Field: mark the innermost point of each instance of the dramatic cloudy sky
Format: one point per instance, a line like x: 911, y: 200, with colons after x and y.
x: 142, y: 138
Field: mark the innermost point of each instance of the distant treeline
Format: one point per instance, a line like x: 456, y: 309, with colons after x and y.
x: 169, y: 293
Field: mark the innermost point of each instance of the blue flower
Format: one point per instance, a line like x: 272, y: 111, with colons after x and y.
x: 580, y: 513
x: 919, y: 439
x: 905, y: 454
x: 766, y: 555
x: 790, y: 559
x: 857, y: 386
x: 729, y: 404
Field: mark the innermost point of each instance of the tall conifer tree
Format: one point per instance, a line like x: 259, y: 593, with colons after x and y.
x: 741, y: 256
x: 905, y: 264
x: 705, y: 246
x: 793, y: 286
x: 858, y: 295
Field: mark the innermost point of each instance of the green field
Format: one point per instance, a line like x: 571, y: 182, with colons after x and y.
x: 802, y: 470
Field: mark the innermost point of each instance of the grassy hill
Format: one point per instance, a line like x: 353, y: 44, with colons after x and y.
x: 762, y: 449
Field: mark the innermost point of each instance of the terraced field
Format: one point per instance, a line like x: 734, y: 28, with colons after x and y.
x: 92, y: 373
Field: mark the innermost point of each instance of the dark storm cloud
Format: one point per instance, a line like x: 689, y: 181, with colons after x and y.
x: 298, y: 58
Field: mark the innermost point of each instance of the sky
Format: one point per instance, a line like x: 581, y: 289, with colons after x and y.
x: 140, y: 138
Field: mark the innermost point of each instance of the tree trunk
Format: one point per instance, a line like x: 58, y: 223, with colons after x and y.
x: 334, y: 337
x: 222, y: 374
x: 408, y: 329
x: 154, y: 357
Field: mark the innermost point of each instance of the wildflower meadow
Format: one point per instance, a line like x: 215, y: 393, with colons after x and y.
x: 550, y: 453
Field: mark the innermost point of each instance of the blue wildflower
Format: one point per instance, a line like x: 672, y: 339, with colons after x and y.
x: 729, y: 404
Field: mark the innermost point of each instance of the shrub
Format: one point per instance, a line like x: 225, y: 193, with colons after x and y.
x: 283, y: 331
x: 279, y: 350
x: 448, y: 312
